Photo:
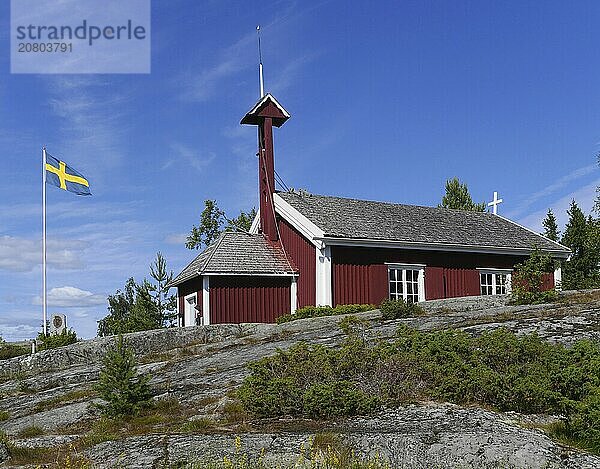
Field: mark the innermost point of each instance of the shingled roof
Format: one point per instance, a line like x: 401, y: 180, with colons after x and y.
x: 339, y: 217
x: 237, y: 253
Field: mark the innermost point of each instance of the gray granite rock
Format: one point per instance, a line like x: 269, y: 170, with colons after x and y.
x: 199, y: 365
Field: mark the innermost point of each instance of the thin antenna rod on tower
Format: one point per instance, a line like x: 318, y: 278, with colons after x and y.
x: 260, y: 65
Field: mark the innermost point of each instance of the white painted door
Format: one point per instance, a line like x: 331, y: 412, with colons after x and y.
x: 189, y: 317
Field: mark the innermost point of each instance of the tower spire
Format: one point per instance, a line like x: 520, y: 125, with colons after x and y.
x: 260, y: 65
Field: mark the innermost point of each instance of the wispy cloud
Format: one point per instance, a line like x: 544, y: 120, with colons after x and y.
x: 176, y: 238
x: 552, y: 189
x: 68, y: 297
x: 93, y: 121
x: 23, y: 255
x: 584, y: 196
x: 186, y: 155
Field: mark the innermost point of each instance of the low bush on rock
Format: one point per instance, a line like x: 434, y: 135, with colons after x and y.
x: 52, y: 341
x: 11, y: 350
x: 497, y: 369
x: 396, y: 309
x: 319, y: 311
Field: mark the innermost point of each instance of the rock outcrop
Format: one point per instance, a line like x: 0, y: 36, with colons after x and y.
x: 197, y: 366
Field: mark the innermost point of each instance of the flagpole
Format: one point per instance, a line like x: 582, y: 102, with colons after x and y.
x: 44, y: 294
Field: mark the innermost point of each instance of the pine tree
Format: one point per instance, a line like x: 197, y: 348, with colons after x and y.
x: 582, y: 237
x: 141, y: 307
x: 166, y: 304
x: 124, y: 392
x: 457, y: 197
x: 550, y: 226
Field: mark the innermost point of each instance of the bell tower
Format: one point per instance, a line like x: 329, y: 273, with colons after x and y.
x: 266, y: 114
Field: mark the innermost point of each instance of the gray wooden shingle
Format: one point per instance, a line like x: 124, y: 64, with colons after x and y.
x: 237, y: 253
x: 363, y: 219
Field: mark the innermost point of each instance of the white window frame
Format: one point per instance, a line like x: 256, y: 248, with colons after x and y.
x: 494, y: 285
x: 420, y: 268
x: 189, y: 317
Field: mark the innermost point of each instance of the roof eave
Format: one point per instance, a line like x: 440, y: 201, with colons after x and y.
x: 388, y: 243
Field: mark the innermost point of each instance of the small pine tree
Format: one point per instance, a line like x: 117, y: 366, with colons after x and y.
x: 550, y: 226
x: 124, y: 392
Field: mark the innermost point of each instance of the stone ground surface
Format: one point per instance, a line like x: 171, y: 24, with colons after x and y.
x: 199, y: 365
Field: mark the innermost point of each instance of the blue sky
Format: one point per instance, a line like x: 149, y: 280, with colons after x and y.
x: 388, y: 100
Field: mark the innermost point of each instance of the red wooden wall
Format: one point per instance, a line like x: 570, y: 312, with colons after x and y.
x: 442, y: 282
x: 303, y: 255
x: 237, y: 299
x: 360, y: 274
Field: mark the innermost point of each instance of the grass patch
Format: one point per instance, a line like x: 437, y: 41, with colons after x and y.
x: 200, y: 425
x: 4, y: 415
x: 319, y: 311
x: 31, y: 431
x: 235, y: 412
x: 163, y: 416
x: 68, y: 397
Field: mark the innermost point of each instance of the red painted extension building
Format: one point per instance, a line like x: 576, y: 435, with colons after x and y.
x: 306, y: 249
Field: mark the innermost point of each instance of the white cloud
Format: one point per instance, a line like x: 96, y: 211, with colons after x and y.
x: 17, y: 332
x: 71, y: 297
x: 22, y: 254
x: 176, y: 238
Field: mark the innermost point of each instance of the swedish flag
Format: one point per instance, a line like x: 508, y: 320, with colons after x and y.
x: 59, y: 174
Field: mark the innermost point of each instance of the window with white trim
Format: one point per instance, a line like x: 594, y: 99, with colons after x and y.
x: 406, y: 282
x: 494, y: 282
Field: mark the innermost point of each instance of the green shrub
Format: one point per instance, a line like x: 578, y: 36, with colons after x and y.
x: 124, y: 392
x: 319, y: 311
x: 51, y: 341
x: 396, y: 309
x: 340, y: 398
x: 527, y: 280
x: 497, y: 369
x: 11, y: 350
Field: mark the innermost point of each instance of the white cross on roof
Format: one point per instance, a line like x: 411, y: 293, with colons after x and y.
x: 494, y: 203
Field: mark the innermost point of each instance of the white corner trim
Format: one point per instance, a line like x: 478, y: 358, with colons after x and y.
x: 205, y: 300
x: 255, y: 223
x: 293, y: 295
x: 558, y: 277
x: 323, y: 295
x: 306, y: 227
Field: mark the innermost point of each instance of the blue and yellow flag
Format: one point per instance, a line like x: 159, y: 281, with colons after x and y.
x: 65, y: 177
